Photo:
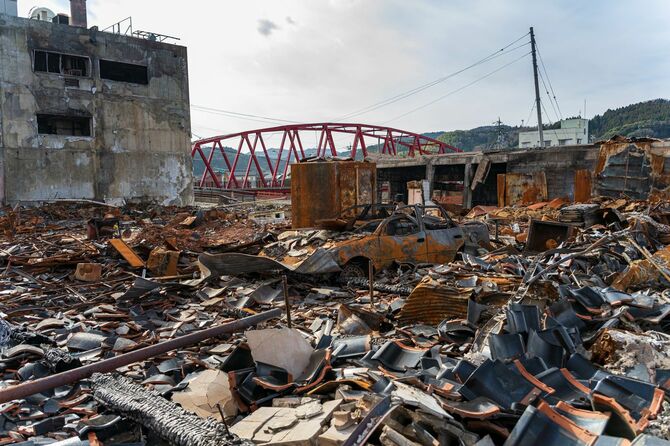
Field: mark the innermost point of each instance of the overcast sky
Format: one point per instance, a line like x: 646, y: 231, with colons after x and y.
x: 320, y: 60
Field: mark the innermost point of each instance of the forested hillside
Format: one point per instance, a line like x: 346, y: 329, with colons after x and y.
x: 650, y: 118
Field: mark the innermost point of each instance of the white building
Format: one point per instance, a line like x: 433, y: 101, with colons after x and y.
x: 573, y: 132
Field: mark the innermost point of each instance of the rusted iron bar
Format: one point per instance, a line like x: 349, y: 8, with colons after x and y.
x: 109, y: 365
x: 371, y: 283
x: 284, y: 282
x: 223, y: 419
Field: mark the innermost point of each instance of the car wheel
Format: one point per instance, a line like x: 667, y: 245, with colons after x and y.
x: 354, y: 270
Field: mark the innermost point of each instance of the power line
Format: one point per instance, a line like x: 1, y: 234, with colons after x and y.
x: 246, y: 116
x: 549, y: 81
x: 457, y: 90
x: 417, y: 90
x: 550, y: 101
x: 204, y: 127
x: 532, y: 107
x: 423, y: 87
x: 545, y: 112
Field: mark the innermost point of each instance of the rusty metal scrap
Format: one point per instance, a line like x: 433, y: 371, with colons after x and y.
x: 494, y: 343
x: 635, y: 168
x: 431, y: 303
x: 521, y: 188
x: 127, y: 253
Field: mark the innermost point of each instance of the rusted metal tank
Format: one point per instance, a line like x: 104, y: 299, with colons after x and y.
x: 521, y: 188
x: 321, y: 190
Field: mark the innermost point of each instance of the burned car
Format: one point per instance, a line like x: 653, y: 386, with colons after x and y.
x: 409, y: 234
x: 381, y: 234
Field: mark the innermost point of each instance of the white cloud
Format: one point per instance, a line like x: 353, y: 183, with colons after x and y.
x: 266, y: 27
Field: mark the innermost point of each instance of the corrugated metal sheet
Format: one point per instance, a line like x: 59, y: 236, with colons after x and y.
x: 431, y: 303
x: 634, y: 168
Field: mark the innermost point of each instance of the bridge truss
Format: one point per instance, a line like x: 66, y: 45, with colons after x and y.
x: 253, y: 145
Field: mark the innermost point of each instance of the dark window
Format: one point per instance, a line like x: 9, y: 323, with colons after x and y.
x: 401, y: 226
x: 74, y: 65
x: 40, y: 61
x: 50, y: 62
x: 124, y: 72
x: 71, y: 82
x: 63, y: 125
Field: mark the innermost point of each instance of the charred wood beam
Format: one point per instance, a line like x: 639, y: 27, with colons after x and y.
x: 364, y: 284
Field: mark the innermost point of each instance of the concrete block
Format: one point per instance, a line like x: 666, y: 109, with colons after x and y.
x: 335, y: 437
x: 88, y: 272
x: 264, y: 425
x: 163, y: 262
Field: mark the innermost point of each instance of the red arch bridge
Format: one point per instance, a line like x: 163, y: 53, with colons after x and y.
x: 244, y: 160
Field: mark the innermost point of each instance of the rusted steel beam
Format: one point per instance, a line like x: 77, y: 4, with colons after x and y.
x: 109, y: 365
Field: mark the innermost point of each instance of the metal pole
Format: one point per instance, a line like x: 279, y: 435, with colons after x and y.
x: 371, y: 278
x: 223, y: 419
x: 538, y: 104
x: 284, y: 282
x: 109, y: 365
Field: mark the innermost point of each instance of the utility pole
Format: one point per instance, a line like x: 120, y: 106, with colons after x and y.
x: 500, y: 140
x: 538, y: 105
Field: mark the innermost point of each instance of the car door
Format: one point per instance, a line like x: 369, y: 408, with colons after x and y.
x: 443, y: 238
x: 403, y: 240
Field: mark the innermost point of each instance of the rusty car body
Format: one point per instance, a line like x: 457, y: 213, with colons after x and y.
x: 383, y: 235
x: 409, y: 235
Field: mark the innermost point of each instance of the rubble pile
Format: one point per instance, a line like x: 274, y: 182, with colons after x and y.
x: 556, y: 331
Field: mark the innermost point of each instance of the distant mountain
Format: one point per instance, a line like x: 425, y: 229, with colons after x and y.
x: 484, y: 137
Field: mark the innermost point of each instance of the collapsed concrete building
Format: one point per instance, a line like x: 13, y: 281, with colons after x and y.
x: 91, y: 115
x: 629, y: 167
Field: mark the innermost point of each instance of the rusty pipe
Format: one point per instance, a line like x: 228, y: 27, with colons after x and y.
x: 109, y: 365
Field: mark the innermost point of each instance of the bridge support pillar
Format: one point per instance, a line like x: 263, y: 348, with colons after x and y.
x: 467, y: 181
x: 430, y: 176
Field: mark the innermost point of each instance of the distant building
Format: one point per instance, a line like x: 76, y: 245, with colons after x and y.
x: 573, y: 132
x: 90, y: 114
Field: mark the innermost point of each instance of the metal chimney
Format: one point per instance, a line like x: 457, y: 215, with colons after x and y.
x: 78, y: 13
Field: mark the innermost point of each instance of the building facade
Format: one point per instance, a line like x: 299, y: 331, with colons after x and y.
x: 573, y: 132
x: 92, y: 115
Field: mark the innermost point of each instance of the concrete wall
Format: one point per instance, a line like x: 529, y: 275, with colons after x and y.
x: 559, y: 166
x: 139, y: 149
x: 558, y: 163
